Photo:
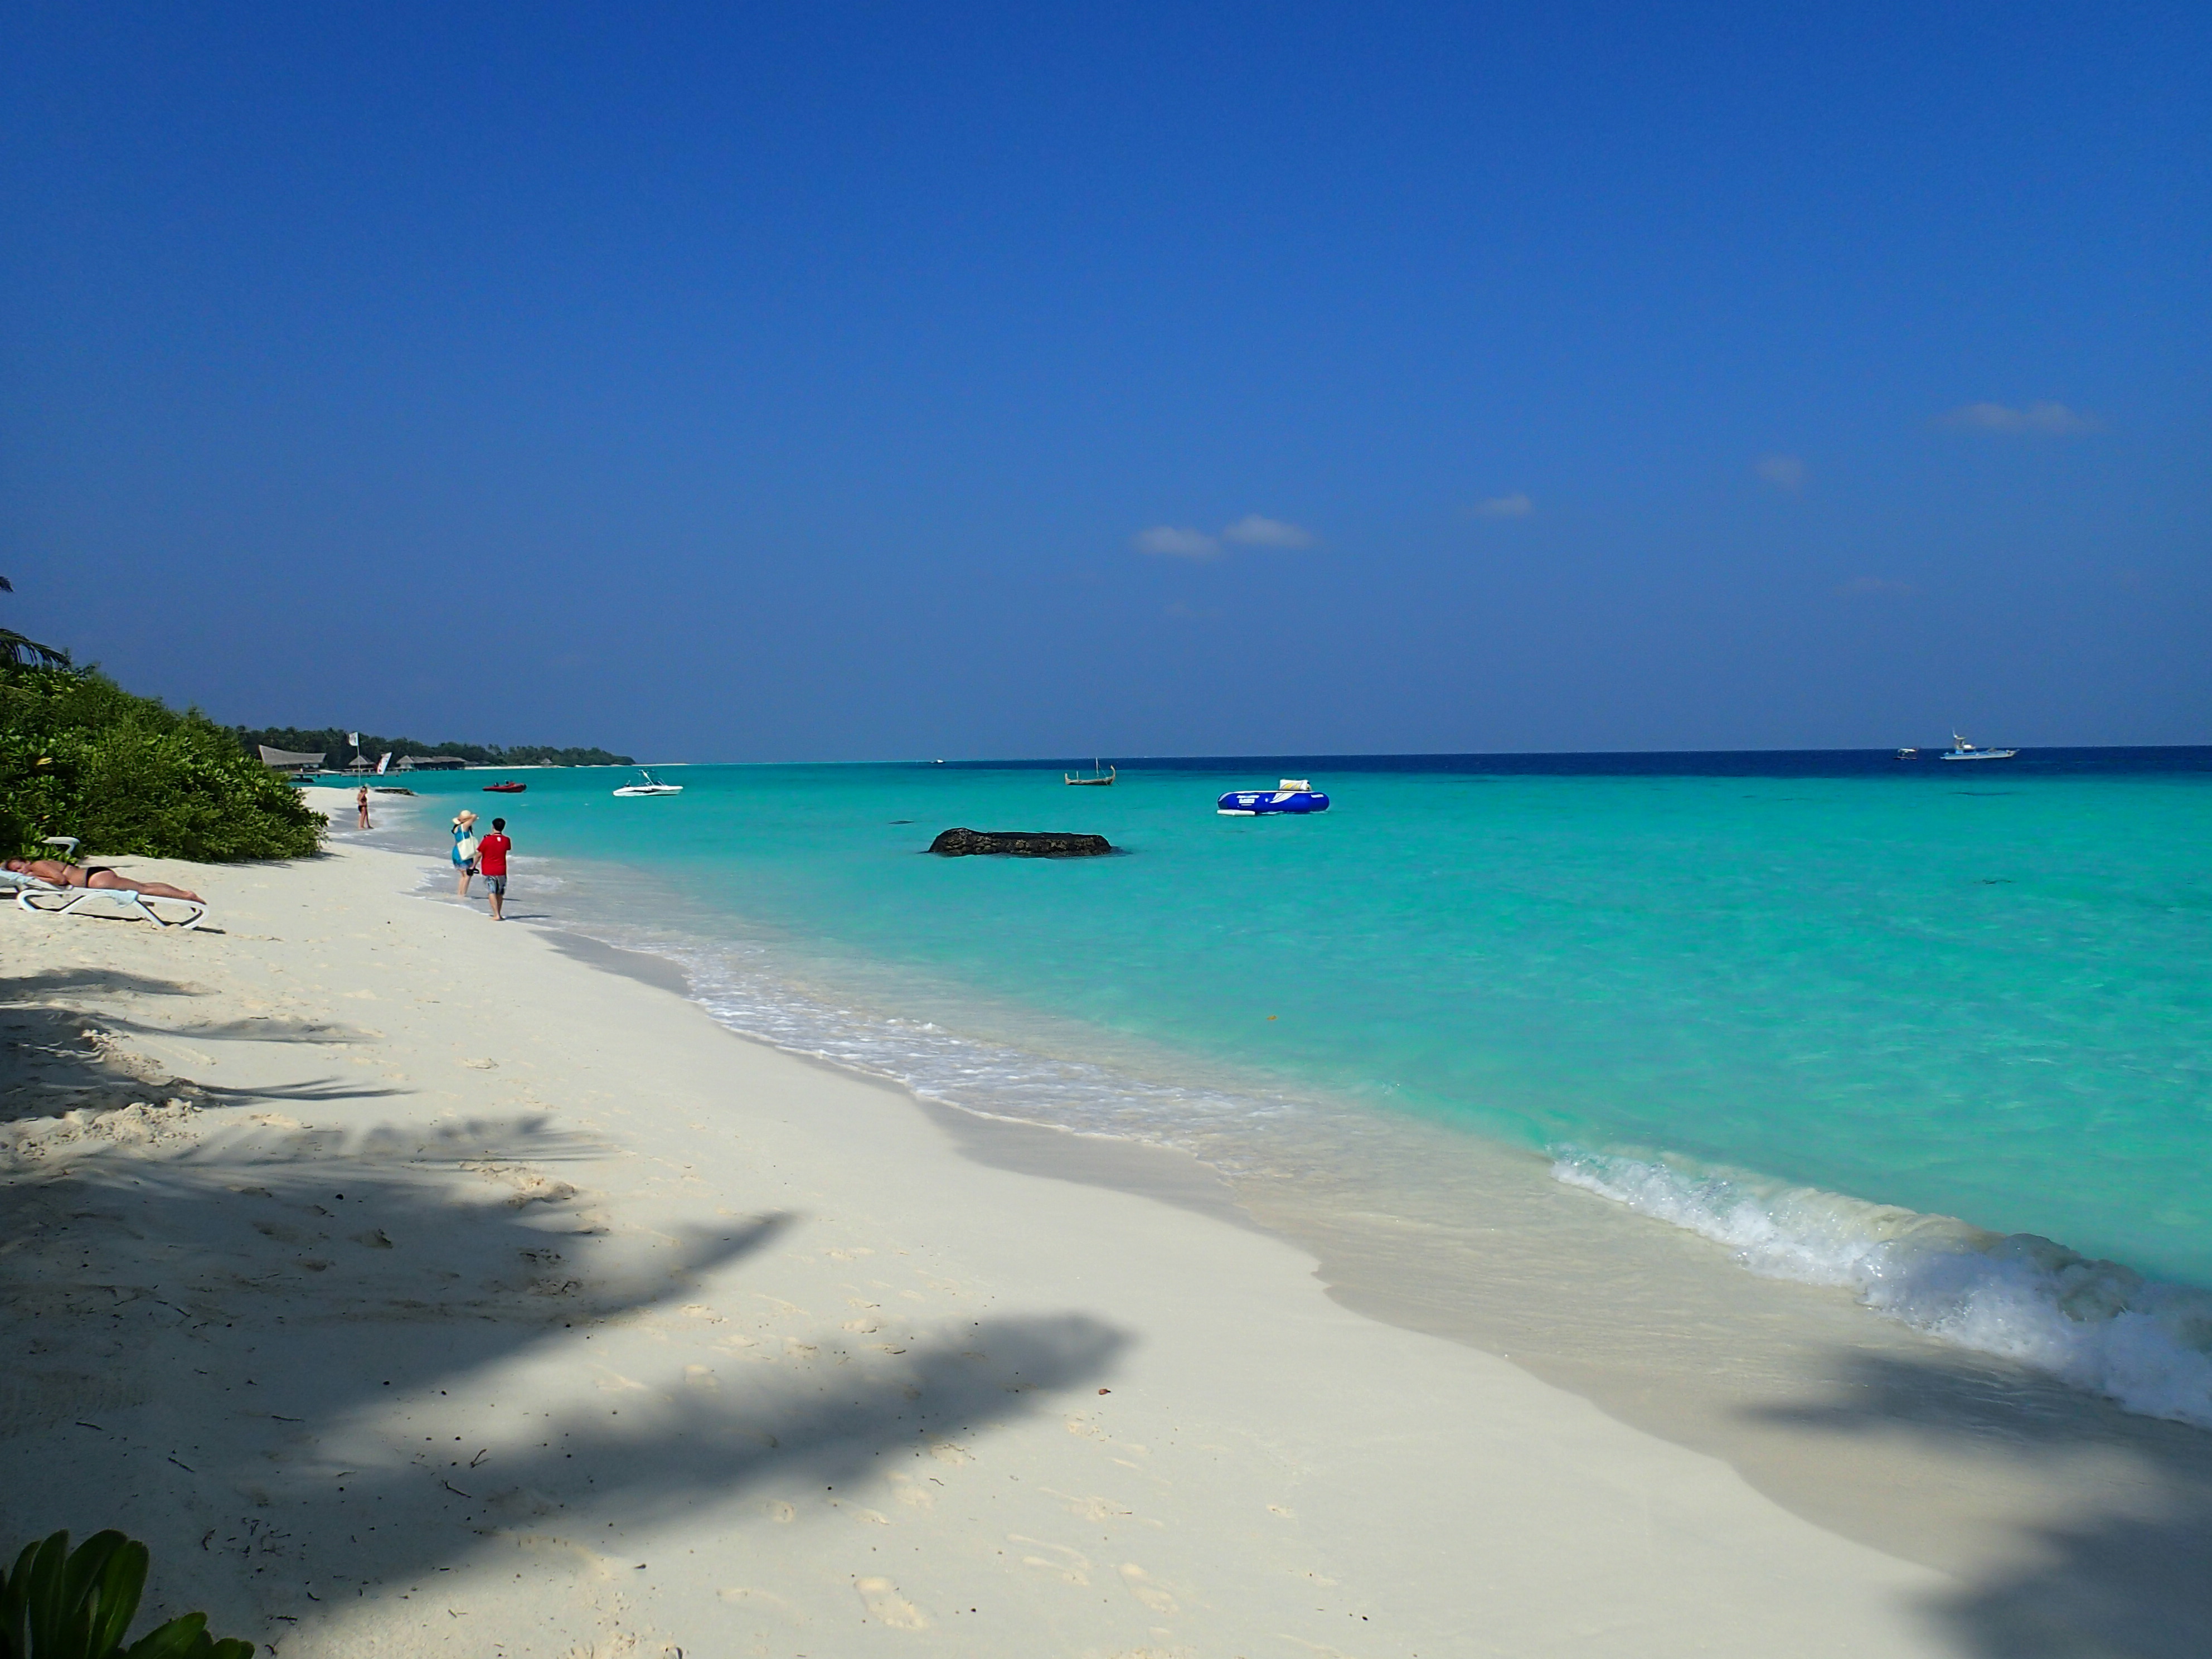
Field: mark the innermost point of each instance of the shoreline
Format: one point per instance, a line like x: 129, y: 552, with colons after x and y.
x: 1864, y: 1424
x: 489, y: 1292
x: 1227, y: 1317
x: 1671, y: 1333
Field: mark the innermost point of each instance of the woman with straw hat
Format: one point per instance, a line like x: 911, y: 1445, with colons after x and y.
x: 465, y: 849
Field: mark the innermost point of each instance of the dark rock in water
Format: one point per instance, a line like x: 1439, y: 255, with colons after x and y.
x: 1022, y: 843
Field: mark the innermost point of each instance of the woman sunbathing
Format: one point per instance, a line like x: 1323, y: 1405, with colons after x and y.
x: 97, y: 876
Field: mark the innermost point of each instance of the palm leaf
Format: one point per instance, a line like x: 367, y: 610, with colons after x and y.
x: 17, y: 647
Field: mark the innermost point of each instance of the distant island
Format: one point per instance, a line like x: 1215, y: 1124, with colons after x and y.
x: 333, y: 741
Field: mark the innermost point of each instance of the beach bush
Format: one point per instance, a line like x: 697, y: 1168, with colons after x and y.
x: 60, y: 1603
x: 80, y: 755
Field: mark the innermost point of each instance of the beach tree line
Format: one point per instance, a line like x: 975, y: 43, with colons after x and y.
x: 335, y: 742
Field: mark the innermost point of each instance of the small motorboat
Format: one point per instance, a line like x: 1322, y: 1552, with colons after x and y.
x: 1290, y: 795
x: 1960, y: 750
x: 652, y: 785
x: 510, y: 787
x: 1908, y: 753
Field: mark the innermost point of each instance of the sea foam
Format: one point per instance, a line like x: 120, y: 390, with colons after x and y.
x: 2098, y: 1325
x: 2095, y: 1324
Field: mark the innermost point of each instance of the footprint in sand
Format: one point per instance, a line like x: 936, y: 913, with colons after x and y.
x: 887, y: 1606
x: 1064, y: 1564
x: 904, y: 1488
x: 1139, y: 1584
x: 779, y: 1511
x: 1089, y: 1509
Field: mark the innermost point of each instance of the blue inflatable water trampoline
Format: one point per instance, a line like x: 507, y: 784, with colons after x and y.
x: 1290, y: 795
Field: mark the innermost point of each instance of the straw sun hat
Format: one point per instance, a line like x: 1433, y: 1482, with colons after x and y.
x: 464, y: 815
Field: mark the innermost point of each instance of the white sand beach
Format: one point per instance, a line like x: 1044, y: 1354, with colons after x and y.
x: 416, y: 1285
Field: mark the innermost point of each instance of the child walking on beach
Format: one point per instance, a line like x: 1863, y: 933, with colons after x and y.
x: 491, y: 865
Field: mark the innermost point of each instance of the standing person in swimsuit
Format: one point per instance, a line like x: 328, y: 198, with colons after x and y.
x: 491, y: 856
x: 465, y: 850
x: 361, y: 805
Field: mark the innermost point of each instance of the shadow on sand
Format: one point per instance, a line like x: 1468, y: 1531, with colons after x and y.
x: 2129, y: 1574
x: 241, y: 1346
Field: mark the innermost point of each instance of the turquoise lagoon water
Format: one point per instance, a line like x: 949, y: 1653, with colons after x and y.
x: 1814, y: 1007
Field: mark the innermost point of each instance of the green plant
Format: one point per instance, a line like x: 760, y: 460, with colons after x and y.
x: 79, y: 755
x: 60, y: 1603
x: 17, y: 647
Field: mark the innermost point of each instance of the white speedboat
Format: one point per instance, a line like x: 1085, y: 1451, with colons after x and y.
x: 1960, y: 750
x: 652, y: 785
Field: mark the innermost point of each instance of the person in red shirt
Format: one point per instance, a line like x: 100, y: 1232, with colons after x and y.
x: 491, y: 865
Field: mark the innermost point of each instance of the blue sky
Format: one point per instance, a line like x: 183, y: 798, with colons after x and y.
x: 845, y: 381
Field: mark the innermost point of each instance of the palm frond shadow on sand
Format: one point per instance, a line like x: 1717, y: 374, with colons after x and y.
x: 228, y: 1327
x: 2132, y: 1579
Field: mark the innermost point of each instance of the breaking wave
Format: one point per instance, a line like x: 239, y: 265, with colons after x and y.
x: 2098, y: 1325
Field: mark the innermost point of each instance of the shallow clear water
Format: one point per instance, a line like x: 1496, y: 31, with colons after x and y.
x: 1981, y: 995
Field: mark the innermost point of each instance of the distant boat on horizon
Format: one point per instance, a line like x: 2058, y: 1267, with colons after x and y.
x: 1960, y: 750
x: 1096, y: 775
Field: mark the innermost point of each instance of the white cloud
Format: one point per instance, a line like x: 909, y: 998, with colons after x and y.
x: 2048, y: 417
x: 1253, y: 530
x: 1782, y: 471
x: 1167, y: 540
x: 1180, y: 541
x: 1516, y: 506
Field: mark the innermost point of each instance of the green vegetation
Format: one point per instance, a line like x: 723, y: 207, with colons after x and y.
x: 332, y: 742
x: 19, y: 647
x: 80, y: 755
x: 65, y: 1604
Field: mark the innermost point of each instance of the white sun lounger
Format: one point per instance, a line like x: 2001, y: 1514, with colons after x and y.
x: 39, y: 898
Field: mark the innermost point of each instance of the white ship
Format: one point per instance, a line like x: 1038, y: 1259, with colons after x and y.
x: 1960, y: 750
